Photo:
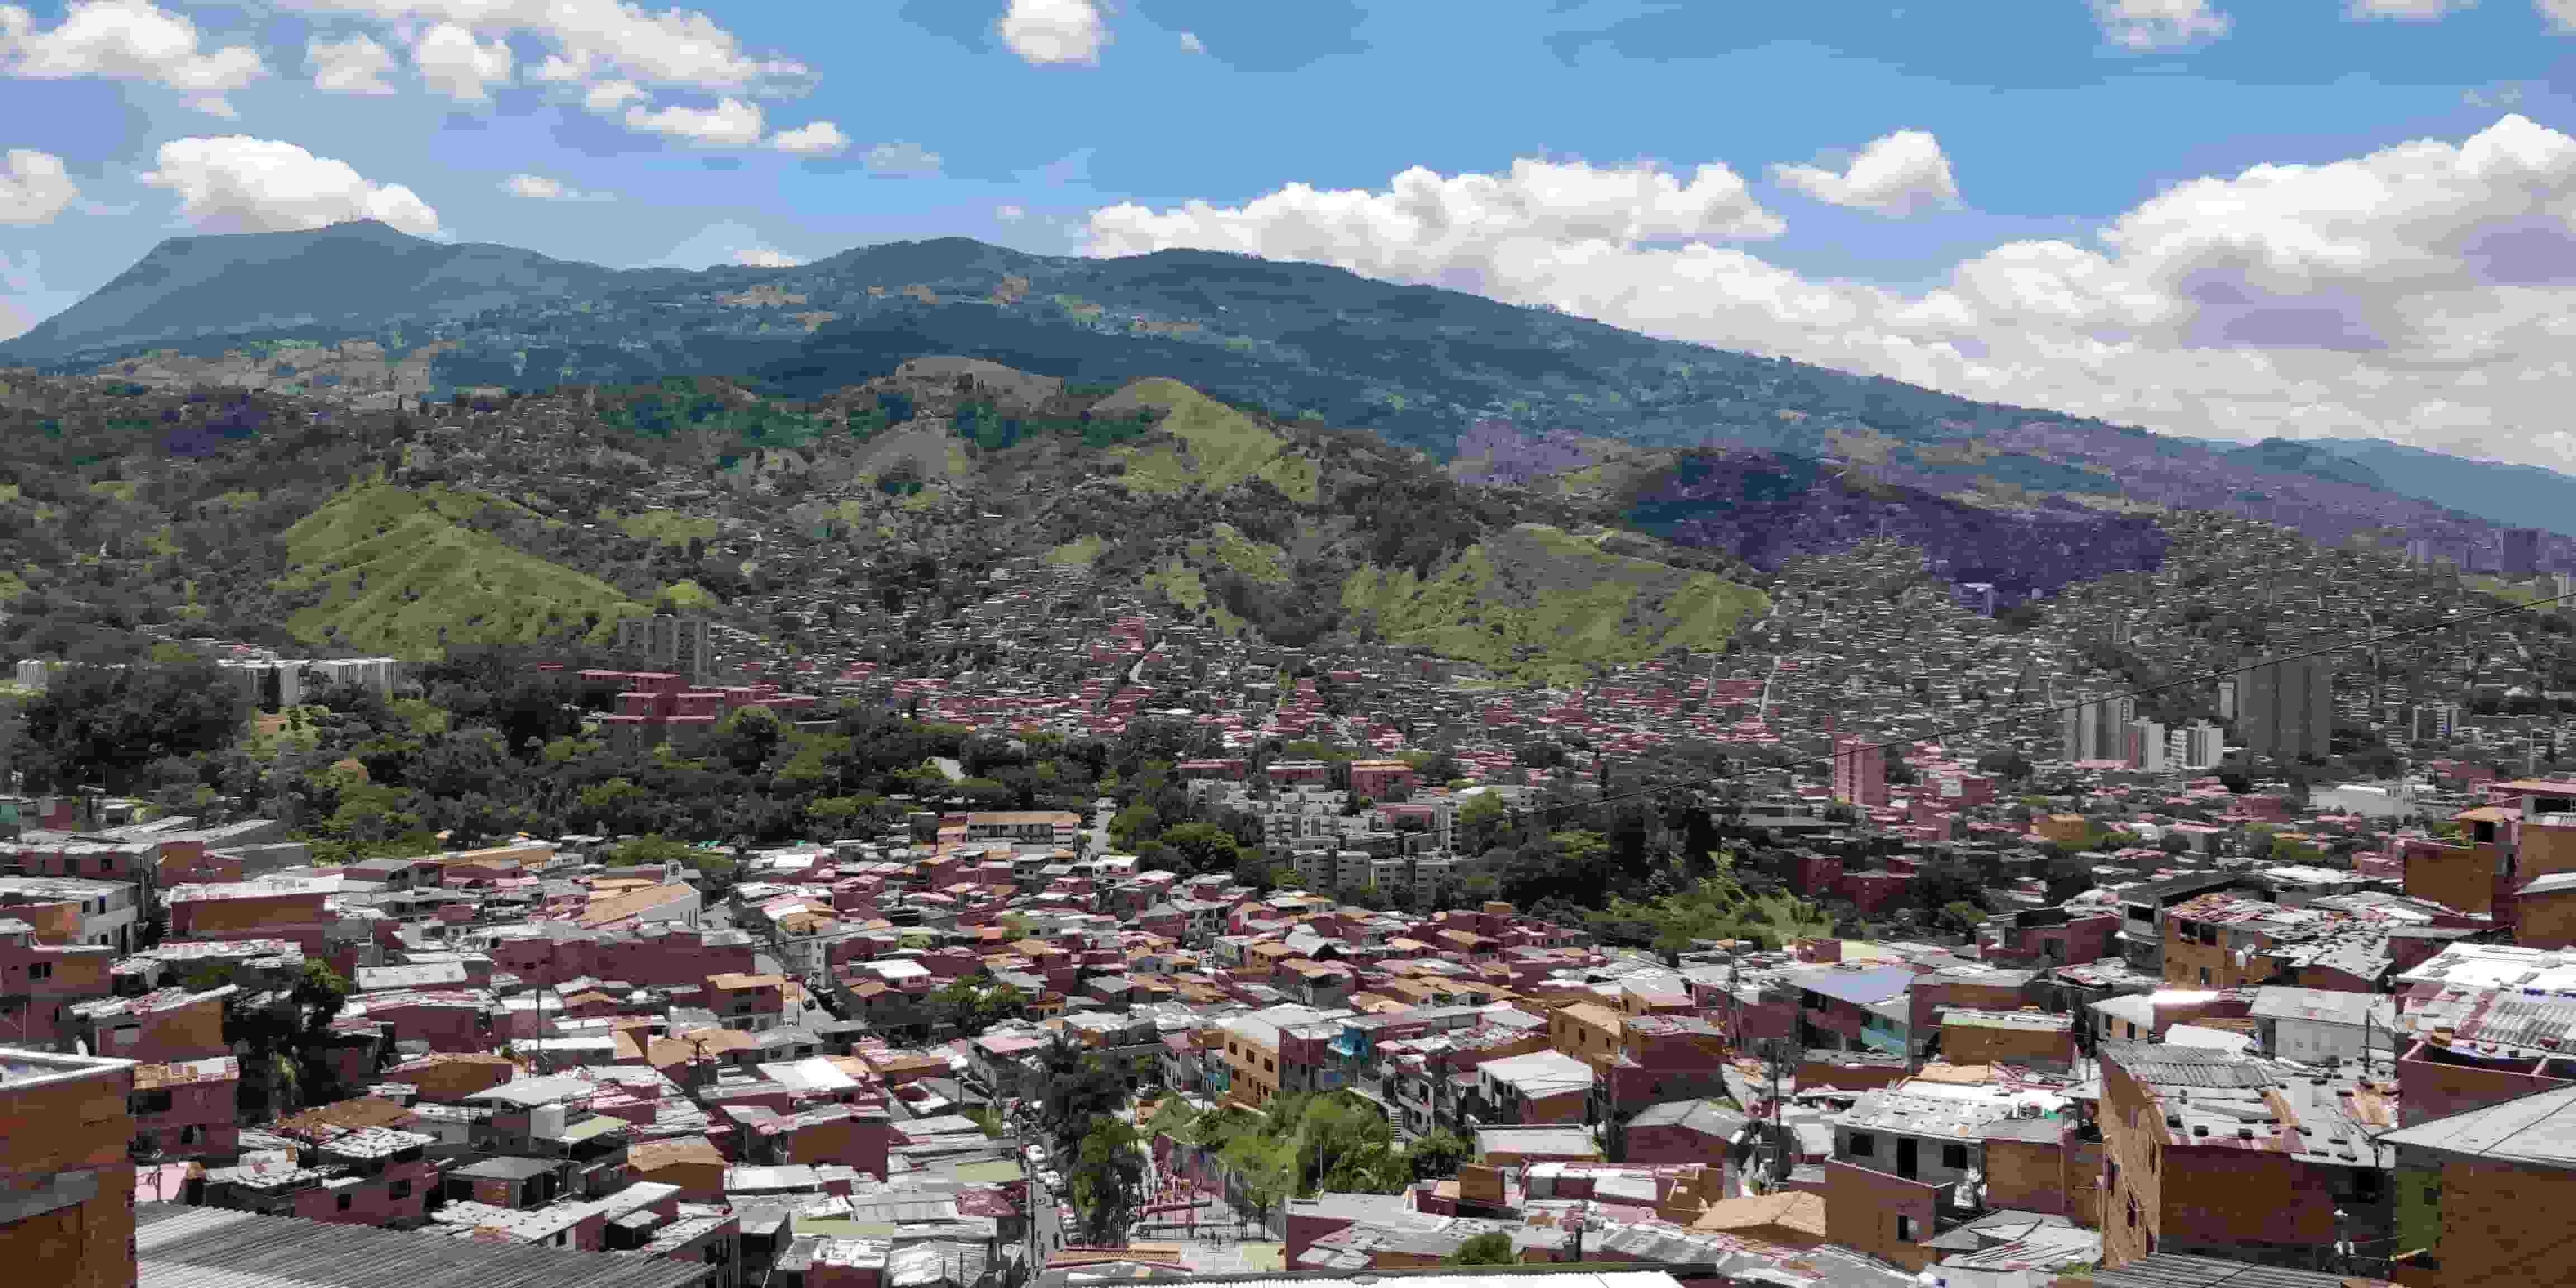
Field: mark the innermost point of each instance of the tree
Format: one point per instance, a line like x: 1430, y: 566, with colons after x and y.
x: 1108, y: 1180
x: 1204, y: 846
x: 1439, y: 1154
x: 97, y: 724
x: 746, y: 737
x: 1492, y: 1248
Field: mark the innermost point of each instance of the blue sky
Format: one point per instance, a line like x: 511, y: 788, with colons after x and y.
x: 2024, y: 129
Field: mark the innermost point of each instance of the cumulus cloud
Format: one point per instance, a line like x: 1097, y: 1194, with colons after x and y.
x: 537, y: 187
x: 1009, y: 214
x: 242, y: 184
x: 1897, y: 175
x: 356, y: 65
x: 1054, y: 31
x: 818, y: 139
x: 731, y: 123
x: 1191, y: 44
x: 606, y: 97
x: 451, y: 61
x: 2423, y: 292
x: 34, y: 187
x: 2560, y: 13
x: 2159, y: 24
x: 596, y: 40
x: 127, y: 40
x: 902, y: 160
x: 1473, y: 231
x: 765, y: 257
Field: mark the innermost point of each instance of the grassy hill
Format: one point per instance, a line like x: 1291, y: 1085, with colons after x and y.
x: 1539, y: 604
x: 1216, y: 448
x: 396, y: 571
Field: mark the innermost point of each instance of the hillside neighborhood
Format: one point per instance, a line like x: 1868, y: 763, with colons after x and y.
x: 2040, y: 948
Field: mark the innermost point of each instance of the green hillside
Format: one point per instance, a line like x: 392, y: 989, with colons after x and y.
x: 1219, y: 446
x: 392, y: 567
x: 1539, y: 604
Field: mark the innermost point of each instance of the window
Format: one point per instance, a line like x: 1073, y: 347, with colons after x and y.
x: 2204, y: 974
x: 1954, y: 1156
x: 148, y: 1102
x: 1905, y: 1229
x: 344, y: 1202
x: 190, y: 1134
x: 1863, y: 1145
x: 41, y: 970
x: 400, y: 1190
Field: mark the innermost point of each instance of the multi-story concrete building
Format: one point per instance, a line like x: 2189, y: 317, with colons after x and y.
x: 1860, y: 772
x: 2285, y: 709
x: 682, y: 645
x: 2096, y: 730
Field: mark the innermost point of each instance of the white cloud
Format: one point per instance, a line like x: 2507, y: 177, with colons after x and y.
x: 241, y: 184
x: 2498, y: 96
x: 902, y: 160
x: 537, y: 187
x: 1897, y: 175
x: 732, y: 123
x: 608, y: 96
x: 127, y: 40
x: 1009, y: 214
x: 2420, y: 293
x: 33, y: 187
x: 1191, y: 44
x: 765, y: 257
x: 2560, y: 13
x: 2159, y: 24
x: 451, y: 61
x: 2405, y: 10
x: 1472, y: 231
x: 819, y: 139
x: 1054, y: 31
x: 593, y: 40
x: 356, y: 65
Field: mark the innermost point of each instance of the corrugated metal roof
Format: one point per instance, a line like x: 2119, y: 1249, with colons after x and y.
x: 185, y: 1247
x: 2172, y: 1270
x: 2166, y: 1065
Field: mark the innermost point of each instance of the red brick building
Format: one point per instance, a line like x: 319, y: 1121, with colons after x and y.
x: 2219, y: 1155
x: 69, y: 1219
x: 187, y: 1110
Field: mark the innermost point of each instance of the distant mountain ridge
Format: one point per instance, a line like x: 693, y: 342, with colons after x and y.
x: 2522, y: 496
x: 348, y: 277
x: 1417, y: 365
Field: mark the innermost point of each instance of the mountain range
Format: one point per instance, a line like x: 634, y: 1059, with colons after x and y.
x: 365, y: 312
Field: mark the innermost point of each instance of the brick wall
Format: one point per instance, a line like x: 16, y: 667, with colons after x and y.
x: 2545, y: 920
x: 1883, y: 1215
x: 68, y: 1136
x: 2489, y: 1234
x: 1999, y: 1044
x: 2026, y: 1175
x: 2430, y: 1085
